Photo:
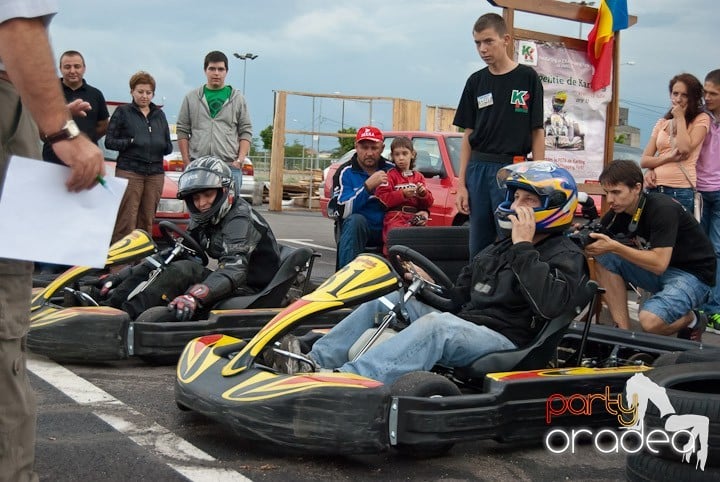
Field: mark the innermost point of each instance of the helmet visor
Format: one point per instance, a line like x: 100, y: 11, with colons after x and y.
x: 198, y: 179
x: 538, y: 176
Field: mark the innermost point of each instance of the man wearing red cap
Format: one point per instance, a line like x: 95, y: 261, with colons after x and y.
x: 359, y: 210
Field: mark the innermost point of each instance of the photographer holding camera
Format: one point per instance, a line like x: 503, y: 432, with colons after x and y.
x: 672, y: 258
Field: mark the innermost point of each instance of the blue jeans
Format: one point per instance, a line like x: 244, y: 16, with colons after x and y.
x: 710, y: 223
x: 237, y: 177
x: 432, y: 338
x: 683, y: 195
x: 355, y: 236
x: 485, y: 196
x: 675, y: 292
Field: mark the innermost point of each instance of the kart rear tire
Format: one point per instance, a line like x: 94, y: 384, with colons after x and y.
x: 667, y: 359
x: 642, y: 467
x: 691, y: 356
x: 691, y: 390
x: 424, y: 384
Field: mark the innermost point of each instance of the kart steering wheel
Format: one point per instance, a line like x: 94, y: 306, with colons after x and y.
x: 435, y: 292
x: 187, y: 241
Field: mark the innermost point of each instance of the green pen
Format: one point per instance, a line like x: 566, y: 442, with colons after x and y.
x: 104, y: 183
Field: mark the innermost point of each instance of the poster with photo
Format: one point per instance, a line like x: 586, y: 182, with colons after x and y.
x: 574, y: 114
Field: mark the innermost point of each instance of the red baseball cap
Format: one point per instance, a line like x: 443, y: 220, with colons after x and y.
x: 369, y: 133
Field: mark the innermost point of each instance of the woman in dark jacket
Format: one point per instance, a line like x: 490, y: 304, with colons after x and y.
x: 139, y: 131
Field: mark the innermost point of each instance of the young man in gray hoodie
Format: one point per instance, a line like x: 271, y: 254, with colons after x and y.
x: 214, y: 120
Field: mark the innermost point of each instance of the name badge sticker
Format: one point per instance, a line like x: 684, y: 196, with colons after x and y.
x: 485, y: 100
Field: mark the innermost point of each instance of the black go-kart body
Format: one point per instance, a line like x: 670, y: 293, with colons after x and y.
x: 67, y: 324
x: 502, y: 396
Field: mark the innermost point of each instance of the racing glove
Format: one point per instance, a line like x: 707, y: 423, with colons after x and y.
x: 112, y: 281
x: 186, y: 305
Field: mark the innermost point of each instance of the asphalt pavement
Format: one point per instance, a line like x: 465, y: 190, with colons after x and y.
x: 118, y: 421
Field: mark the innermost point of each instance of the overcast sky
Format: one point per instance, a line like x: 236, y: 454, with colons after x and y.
x: 420, y: 50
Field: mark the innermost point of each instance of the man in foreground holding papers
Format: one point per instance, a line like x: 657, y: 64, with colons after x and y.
x: 227, y: 228
x: 27, y: 72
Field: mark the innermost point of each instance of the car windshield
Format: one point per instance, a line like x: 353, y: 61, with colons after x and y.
x: 453, y: 146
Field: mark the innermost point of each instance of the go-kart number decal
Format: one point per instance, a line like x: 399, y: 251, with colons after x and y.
x: 564, y: 372
x: 265, y: 385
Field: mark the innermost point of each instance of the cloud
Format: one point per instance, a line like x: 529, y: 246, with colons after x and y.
x: 419, y: 50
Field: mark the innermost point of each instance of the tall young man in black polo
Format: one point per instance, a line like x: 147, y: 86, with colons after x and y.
x: 501, y: 112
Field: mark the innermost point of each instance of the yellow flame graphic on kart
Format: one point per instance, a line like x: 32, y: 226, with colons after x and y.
x: 265, y: 385
x: 366, y: 277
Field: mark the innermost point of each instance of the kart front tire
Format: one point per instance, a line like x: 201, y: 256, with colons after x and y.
x: 429, y: 385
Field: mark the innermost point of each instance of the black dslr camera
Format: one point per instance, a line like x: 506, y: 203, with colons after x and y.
x: 582, y: 238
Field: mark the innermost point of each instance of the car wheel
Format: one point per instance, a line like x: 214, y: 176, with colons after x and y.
x: 692, y: 389
x: 428, y: 385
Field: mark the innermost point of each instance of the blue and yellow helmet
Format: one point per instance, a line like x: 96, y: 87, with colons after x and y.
x: 554, y: 185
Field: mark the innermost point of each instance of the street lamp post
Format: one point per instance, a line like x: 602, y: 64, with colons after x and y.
x: 245, y: 57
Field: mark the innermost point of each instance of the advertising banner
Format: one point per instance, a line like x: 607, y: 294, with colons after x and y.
x: 574, y: 114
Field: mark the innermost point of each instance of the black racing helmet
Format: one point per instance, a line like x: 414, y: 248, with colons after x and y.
x: 208, y: 172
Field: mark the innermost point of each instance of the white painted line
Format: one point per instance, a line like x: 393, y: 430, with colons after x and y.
x: 177, y: 452
x: 304, y: 242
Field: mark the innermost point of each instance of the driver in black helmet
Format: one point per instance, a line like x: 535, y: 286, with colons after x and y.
x: 227, y: 228
x: 502, y: 299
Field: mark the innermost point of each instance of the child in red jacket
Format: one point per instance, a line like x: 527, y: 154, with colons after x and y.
x: 404, y: 195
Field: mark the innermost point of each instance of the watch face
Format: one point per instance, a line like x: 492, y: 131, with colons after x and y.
x: 72, y: 129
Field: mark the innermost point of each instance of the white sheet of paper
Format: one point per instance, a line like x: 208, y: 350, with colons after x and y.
x: 41, y: 221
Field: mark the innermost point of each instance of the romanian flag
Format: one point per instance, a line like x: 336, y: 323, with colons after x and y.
x: 612, y: 16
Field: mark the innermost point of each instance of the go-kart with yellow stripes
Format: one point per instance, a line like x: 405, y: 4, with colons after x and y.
x: 502, y: 395
x: 70, y: 323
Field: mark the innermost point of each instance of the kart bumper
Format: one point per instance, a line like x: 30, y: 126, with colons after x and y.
x: 313, y: 413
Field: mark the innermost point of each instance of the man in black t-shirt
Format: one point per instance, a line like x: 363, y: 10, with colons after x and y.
x: 501, y: 112
x: 86, y: 103
x: 667, y: 254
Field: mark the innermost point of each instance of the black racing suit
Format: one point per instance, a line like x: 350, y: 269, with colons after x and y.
x: 515, y: 289
x: 244, y: 246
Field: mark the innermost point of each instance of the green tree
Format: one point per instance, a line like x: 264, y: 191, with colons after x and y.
x: 255, y: 146
x: 294, y: 150
x: 346, y: 143
x: 621, y: 139
x: 266, y: 136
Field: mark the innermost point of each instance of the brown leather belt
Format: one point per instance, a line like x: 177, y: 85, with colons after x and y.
x: 405, y: 209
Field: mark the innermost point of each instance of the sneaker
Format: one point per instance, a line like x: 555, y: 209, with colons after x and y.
x: 286, y: 357
x: 695, y: 334
x: 713, y: 324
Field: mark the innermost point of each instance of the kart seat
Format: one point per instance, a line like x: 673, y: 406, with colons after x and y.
x: 292, y: 262
x: 538, y: 353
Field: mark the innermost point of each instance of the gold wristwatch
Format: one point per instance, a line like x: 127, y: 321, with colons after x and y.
x: 69, y: 131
